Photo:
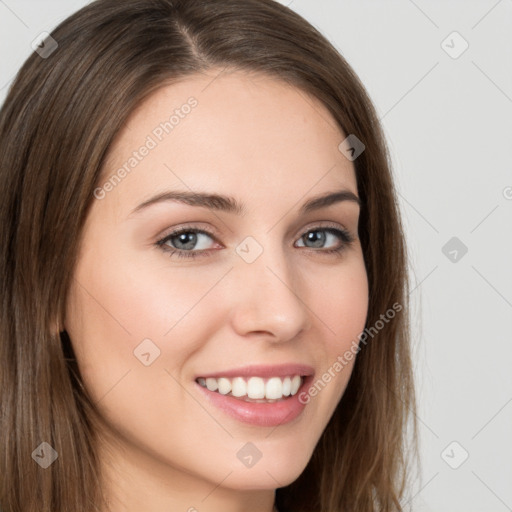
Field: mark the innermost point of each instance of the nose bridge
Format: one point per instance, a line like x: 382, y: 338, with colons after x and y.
x: 269, y: 297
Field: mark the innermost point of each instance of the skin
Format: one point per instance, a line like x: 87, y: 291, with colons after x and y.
x: 272, y: 147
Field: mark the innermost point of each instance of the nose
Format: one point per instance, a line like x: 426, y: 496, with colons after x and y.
x: 270, y: 297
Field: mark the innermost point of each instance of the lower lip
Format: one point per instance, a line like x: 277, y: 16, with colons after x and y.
x: 260, y: 414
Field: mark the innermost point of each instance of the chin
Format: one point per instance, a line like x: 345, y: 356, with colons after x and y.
x: 271, y: 473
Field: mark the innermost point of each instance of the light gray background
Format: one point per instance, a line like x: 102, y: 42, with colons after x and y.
x: 448, y: 122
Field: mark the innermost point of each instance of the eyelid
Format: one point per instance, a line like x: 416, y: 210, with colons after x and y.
x: 324, y: 224
x: 207, y: 228
x: 211, y: 231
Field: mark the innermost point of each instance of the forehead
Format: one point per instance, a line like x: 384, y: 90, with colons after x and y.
x: 237, y: 131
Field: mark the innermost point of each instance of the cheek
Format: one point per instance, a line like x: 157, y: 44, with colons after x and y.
x: 342, y: 307
x: 117, y: 304
x: 343, y: 304
x: 118, y: 308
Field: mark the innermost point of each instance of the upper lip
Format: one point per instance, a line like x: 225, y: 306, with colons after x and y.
x: 265, y: 371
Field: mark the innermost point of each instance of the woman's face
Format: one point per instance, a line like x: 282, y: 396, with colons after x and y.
x: 262, y: 300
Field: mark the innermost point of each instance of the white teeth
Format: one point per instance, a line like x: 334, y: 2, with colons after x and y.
x: 295, y: 384
x: 238, y: 387
x: 287, y: 386
x: 274, y: 388
x: 224, y: 386
x: 211, y: 384
x: 255, y: 388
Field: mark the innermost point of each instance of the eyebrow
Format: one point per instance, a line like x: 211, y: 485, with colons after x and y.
x: 230, y: 205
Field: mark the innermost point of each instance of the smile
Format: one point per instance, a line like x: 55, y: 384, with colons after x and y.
x: 258, y: 389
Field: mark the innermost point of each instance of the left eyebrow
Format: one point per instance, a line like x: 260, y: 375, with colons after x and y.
x: 322, y: 201
x: 231, y: 205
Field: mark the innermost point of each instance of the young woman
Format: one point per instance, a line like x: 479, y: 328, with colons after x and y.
x: 203, y: 270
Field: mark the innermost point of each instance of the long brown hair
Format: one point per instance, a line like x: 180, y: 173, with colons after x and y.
x: 56, y: 127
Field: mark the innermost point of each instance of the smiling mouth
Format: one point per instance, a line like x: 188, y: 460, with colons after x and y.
x: 254, y: 389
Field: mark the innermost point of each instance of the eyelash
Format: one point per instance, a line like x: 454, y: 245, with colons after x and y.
x: 343, y: 234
